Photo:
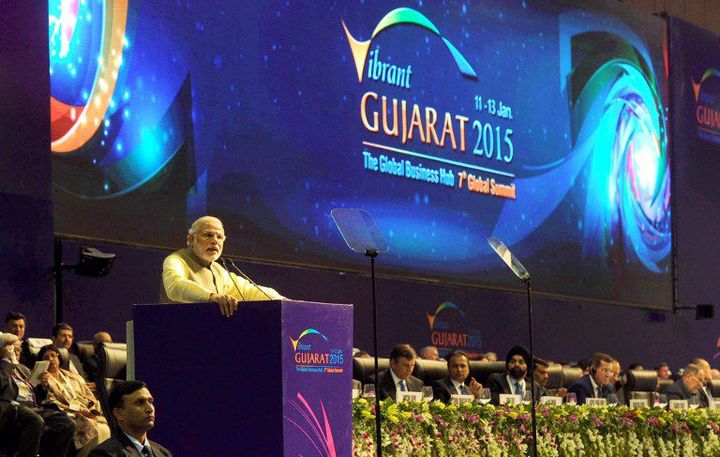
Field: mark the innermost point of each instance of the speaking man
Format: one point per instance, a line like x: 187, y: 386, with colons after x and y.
x: 132, y: 406
x: 192, y: 275
x: 455, y: 383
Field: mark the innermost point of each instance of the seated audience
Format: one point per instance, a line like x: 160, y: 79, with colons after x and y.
x: 542, y: 376
x: 362, y: 355
x: 429, y: 353
x: 635, y: 366
x: 62, y: 337
x: 132, y: 406
x: 399, y: 376
x: 595, y: 384
x: 584, y: 365
x: 69, y: 393
x: 454, y: 384
x: 513, y: 381
x: 714, y: 374
x: 91, y: 363
x: 663, y: 371
x: 15, y: 323
x: 706, y: 376
x: 685, y: 387
x: 490, y: 357
x: 37, y: 430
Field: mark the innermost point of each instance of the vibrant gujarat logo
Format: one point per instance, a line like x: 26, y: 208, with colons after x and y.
x: 707, y: 109
x: 442, y: 307
x: 397, y: 16
x: 305, y: 332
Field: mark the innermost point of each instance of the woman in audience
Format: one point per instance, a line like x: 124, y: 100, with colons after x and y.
x: 68, y: 392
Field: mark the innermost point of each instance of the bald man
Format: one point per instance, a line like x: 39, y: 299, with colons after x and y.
x: 192, y: 275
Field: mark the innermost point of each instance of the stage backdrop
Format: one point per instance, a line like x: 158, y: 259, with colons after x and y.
x: 541, y: 123
x: 695, y: 64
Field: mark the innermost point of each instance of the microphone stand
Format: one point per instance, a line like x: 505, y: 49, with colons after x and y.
x: 532, y: 369
x: 372, y: 253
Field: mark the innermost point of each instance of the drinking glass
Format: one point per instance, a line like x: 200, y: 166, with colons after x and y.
x: 694, y: 401
x: 571, y: 398
x: 527, y: 397
x: 612, y: 400
x: 427, y: 394
x: 661, y: 401
x: 485, y: 396
x: 369, y: 391
x: 356, y: 388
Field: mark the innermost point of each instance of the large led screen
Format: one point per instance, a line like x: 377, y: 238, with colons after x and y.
x: 542, y: 124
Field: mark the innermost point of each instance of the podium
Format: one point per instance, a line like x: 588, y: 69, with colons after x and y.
x: 274, y: 379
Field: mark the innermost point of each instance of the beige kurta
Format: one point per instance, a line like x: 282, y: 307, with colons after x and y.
x: 187, y: 280
x: 69, y: 392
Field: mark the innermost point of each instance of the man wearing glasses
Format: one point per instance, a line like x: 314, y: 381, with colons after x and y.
x: 595, y: 384
x: 192, y: 275
x: 687, y: 386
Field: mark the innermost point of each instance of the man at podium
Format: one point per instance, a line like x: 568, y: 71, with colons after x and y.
x: 192, y: 274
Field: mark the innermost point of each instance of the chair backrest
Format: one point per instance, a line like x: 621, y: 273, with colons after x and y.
x: 570, y: 375
x: 639, y: 381
x: 85, y: 350
x: 481, y: 370
x: 714, y: 386
x: 665, y: 382
x: 364, y: 367
x: 430, y: 370
x: 35, y: 344
x: 112, y: 364
x: 555, y: 377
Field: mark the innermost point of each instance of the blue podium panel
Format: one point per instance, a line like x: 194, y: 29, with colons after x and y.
x: 274, y: 379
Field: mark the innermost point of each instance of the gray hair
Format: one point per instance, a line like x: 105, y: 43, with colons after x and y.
x: 692, y: 369
x: 205, y: 220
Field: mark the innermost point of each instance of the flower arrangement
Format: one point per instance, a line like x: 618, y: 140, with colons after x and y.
x: 436, y: 429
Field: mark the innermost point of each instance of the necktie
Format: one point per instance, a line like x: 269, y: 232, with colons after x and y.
x: 403, y: 387
x: 146, y: 451
x: 518, y: 389
x: 463, y: 389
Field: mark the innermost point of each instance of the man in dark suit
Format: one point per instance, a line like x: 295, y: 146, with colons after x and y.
x: 399, y: 376
x: 36, y: 429
x: 62, y: 337
x: 458, y: 371
x: 513, y: 381
x: 132, y: 406
x: 685, y: 387
x: 597, y: 383
x: 705, y: 378
x: 15, y: 323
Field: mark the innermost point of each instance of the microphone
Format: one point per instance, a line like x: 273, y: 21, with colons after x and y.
x: 248, y: 279
x: 222, y: 261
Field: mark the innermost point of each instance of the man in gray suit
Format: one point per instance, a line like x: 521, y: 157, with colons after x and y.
x: 132, y: 406
x: 684, y: 388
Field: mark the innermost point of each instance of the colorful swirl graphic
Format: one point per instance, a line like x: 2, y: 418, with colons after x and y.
x: 619, y: 124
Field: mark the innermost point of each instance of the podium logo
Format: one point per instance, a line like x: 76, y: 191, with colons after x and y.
x: 307, y: 331
x: 450, y: 329
x: 386, y: 72
x: 309, y: 359
x: 707, y: 105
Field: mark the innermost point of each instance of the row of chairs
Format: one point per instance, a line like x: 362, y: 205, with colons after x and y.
x: 432, y: 370
x: 639, y: 383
